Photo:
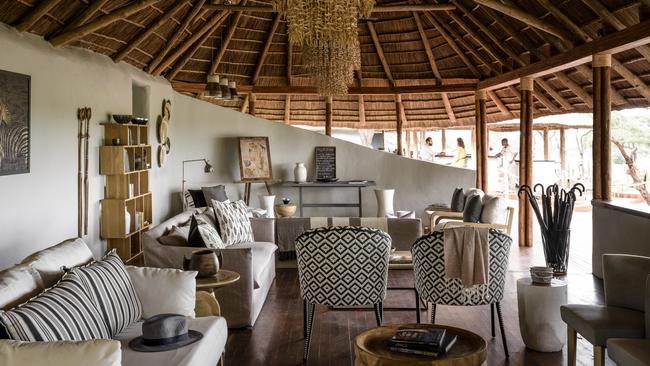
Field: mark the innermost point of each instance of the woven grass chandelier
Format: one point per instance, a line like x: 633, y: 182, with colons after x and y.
x: 327, y: 31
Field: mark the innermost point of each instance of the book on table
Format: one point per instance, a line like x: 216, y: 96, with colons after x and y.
x: 429, y: 342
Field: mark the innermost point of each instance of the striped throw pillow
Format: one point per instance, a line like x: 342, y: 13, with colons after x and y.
x: 110, y: 288
x: 234, y: 223
x: 61, y: 313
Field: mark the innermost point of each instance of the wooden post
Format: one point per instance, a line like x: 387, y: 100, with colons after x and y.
x: 328, y: 116
x: 399, y: 125
x: 546, y: 144
x: 408, y: 143
x: 526, y: 161
x: 416, y: 144
x: 563, y: 153
x: 602, y: 172
x: 443, y: 141
x: 251, y: 104
x: 474, y: 149
x: 481, y: 141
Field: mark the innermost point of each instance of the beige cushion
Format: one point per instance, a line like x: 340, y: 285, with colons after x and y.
x: 494, y: 210
x: 177, y: 236
x: 18, y: 284
x: 164, y: 290
x: 98, y: 352
x: 50, y: 262
x: 262, y: 253
x: 598, y: 323
x: 629, y: 352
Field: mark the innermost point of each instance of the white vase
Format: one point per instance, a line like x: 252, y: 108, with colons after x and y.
x: 300, y: 173
x: 267, y: 203
x: 384, y: 202
x: 127, y: 221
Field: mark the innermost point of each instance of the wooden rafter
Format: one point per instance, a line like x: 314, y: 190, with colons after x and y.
x: 35, y: 14
x: 86, y: 15
x: 193, y: 49
x: 362, y: 110
x: 427, y: 47
x: 171, y: 42
x: 267, y: 47
x: 448, y: 108
x: 545, y: 101
x: 122, y: 13
x: 226, y: 41
x: 500, y: 105
x: 575, y: 88
x: 287, y: 109
x: 148, y: 30
x: 289, y: 62
x: 375, y: 9
x: 478, y: 39
x: 380, y: 52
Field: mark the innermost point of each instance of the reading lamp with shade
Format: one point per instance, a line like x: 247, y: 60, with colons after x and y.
x: 207, y: 168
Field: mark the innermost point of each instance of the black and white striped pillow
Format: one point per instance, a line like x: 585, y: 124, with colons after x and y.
x: 62, y: 313
x: 234, y: 223
x: 110, y: 288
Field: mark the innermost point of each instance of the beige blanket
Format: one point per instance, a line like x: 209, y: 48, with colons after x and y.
x: 466, y: 254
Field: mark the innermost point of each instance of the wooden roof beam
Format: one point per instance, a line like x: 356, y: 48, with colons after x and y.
x: 375, y: 9
x: 289, y: 62
x: 629, y: 38
x: 485, y: 45
x: 287, y: 109
x: 427, y: 47
x: 88, y: 12
x: 380, y: 52
x: 82, y: 31
x: 193, y: 49
x: 171, y: 42
x: 448, y: 108
x: 267, y: 47
x: 147, y: 31
x: 575, y: 88
x: 33, y: 16
x: 362, y: 110
x: 226, y: 41
x: 500, y: 105
x: 526, y: 18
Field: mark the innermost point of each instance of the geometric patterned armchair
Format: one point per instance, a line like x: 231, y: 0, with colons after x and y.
x: 433, y: 287
x: 342, y: 266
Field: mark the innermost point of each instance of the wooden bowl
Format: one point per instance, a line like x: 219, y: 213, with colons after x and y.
x: 122, y: 118
x: 285, y: 210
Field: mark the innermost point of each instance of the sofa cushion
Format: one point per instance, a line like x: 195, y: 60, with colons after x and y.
x: 217, y: 192
x: 50, y: 262
x: 203, y: 234
x: 234, y: 223
x: 262, y: 253
x: 494, y: 210
x: 177, y: 236
x: 198, y: 199
x: 109, y: 286
x: 96, y: 352
x: 629, y: 352
x: 206, y: 352
x: 164, y: 290
x: 62, y: 313
x: 598, y: 323
x: 457, y: 200
x: 473, y: 208
x: 18, y: 284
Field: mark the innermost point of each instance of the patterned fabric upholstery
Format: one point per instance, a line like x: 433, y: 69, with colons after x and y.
x: 434, y: 287
x: 343, y: 266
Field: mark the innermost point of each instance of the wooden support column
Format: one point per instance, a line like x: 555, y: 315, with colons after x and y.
x: 602, y: 170
x: 526, y: 161
x: 399, y: 108
x: 546, y: 155
x: 251, y: 104
x: 408, y: 143
x: 443, y: 140
x: 328, y: 116
x: 563, y: 153
x: 481, y: 141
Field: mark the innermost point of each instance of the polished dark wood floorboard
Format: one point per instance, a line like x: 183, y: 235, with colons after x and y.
x: 277, y: 336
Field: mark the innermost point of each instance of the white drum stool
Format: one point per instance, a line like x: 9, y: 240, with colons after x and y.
x: 541, y: 326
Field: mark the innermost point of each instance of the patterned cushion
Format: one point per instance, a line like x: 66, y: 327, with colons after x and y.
x: 188, y: 200
x: 434, y: 287
x: 202, y: 234
x: 343, y: 266
x: 234, y: 223
x: 110, y: 288
x: 62, y: 313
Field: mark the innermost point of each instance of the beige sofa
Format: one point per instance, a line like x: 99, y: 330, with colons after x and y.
x: 43, y: 269
x: 242, y: 301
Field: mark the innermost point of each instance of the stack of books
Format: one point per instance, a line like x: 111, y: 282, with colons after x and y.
x: 428, y: 342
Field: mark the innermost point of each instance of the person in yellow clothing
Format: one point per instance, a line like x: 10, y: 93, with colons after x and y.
x: 460, y: 159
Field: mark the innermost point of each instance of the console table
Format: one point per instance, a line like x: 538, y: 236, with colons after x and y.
x: 321, y: 185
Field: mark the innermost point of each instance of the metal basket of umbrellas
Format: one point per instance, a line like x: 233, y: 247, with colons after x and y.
x: 554, y: 217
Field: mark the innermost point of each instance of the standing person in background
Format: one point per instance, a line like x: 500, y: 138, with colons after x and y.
x: 460, y: 158
x: 426, y: 152
x: 506, y: 161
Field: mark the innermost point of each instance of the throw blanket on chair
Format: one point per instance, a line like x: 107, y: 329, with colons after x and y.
x: 466, y: 254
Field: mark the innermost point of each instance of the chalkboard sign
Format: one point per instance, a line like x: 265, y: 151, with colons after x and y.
x: 325, y: 163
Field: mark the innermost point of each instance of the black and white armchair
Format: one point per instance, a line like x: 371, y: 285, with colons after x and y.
x: 342, y: 266
x: 433, y: 287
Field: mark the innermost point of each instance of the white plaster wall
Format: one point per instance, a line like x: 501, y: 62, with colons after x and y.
x: 39, y: 209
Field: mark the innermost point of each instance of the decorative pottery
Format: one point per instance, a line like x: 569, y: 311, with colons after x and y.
x: 384, y: 202
x: 541, y: 275
x: 122, y: 118
x: 285, y: 210
x: 300, y: 173
x: 127, y: 222
x: 204, y: 261
x: 267, y: 203
x: 286, y: 200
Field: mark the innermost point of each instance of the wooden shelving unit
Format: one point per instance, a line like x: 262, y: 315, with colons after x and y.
x: 126, y: 168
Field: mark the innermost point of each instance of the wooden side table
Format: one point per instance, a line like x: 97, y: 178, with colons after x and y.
x: 223, y: 278
x: 371, y: 348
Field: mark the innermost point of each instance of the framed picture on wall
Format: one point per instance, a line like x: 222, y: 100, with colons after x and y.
x: 255, y: 158
x: 14, y: 123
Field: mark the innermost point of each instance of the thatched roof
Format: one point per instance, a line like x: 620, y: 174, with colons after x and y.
x: 184, y: 40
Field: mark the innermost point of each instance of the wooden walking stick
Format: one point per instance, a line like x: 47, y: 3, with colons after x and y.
x: 87, y: 137
x: 80, y: 113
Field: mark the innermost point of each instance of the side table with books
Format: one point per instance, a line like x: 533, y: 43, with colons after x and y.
x: 419, y: 345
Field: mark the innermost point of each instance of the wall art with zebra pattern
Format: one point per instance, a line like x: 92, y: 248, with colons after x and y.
x: 14, y: 123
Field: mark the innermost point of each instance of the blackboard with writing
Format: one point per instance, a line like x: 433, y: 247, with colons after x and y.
x: 325, y: 163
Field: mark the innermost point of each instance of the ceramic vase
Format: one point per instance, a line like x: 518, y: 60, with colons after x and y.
x: 300, y: 173
x: 384, y: 202
x: 267, y: 203
x: 127, y: 222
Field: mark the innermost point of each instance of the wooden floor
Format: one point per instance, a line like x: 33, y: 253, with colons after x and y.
x: 277, y: 336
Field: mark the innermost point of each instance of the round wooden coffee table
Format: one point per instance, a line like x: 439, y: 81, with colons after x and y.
x: 371, y: 348
x: 208, y: 285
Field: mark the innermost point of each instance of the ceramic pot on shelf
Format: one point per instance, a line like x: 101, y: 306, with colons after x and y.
x: 300, y: 173
x: 127, y: 221
x: 384, y: 202
x: 267, y: 203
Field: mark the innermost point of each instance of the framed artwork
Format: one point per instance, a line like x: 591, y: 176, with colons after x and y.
x: 255, y: 158
x: 14, y: 123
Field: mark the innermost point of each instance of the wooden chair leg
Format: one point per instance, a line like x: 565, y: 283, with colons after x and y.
x: 433, y: 313
x: 599, y: 356
x: 310, y: 327
x: 492, y: 319
x: 572, y: 337
x: 378, y: 314
x: 304, y: 319
x: 503, y: 333
x: 417, y: 307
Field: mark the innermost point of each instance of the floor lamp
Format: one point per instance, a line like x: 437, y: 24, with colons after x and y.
x: 207, y: 168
